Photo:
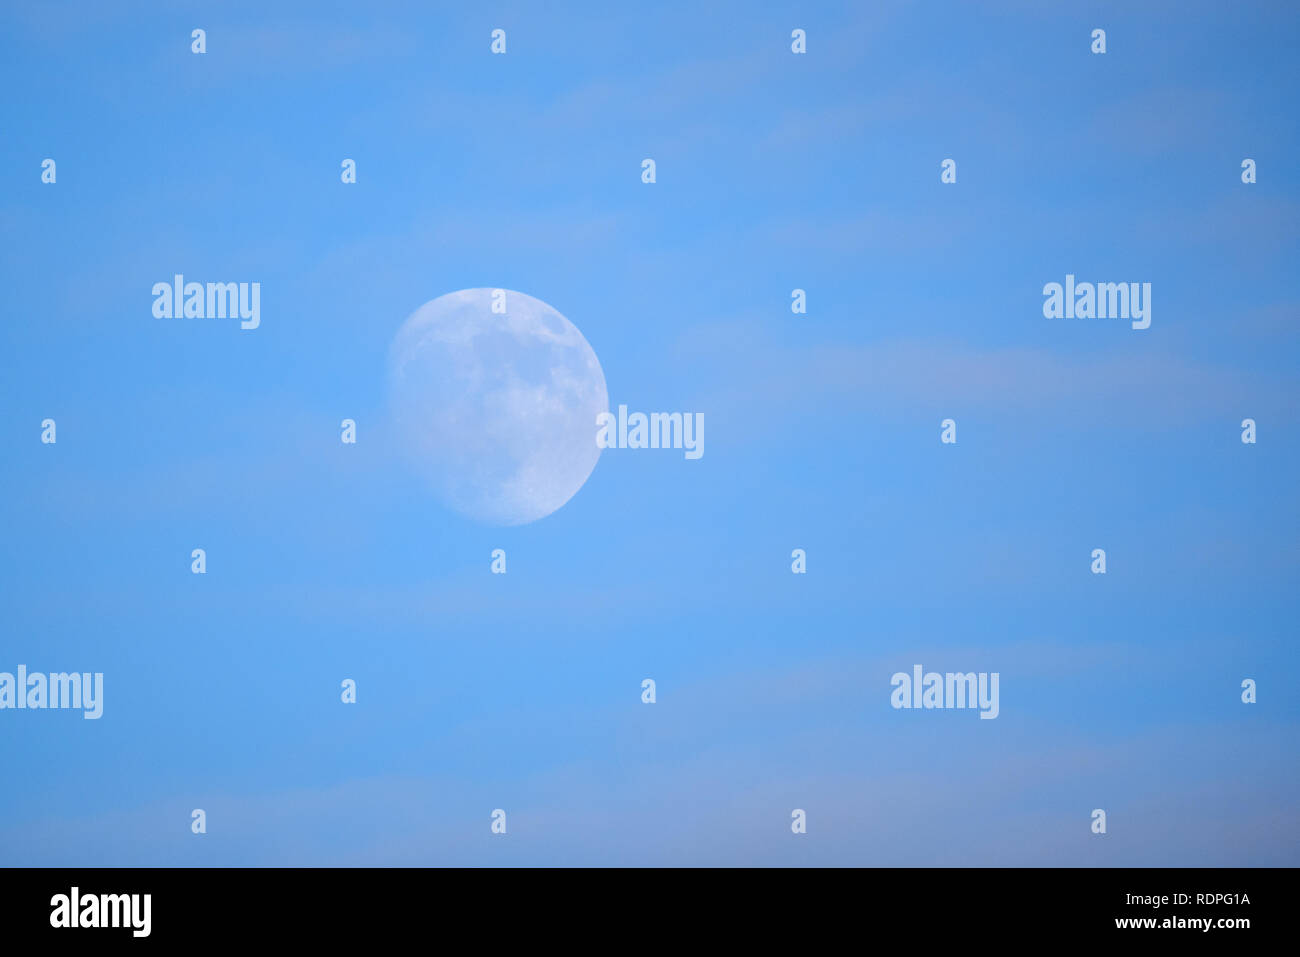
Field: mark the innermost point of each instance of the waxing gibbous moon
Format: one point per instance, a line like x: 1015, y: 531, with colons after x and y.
x: 497, y: 411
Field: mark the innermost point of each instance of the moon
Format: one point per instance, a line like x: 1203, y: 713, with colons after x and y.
x: 497, y: 410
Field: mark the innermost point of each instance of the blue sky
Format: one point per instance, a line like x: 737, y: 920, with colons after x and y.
x: 775, y: 171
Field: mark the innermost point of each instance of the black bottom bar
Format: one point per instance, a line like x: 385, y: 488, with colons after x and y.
x: 642, y: 907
